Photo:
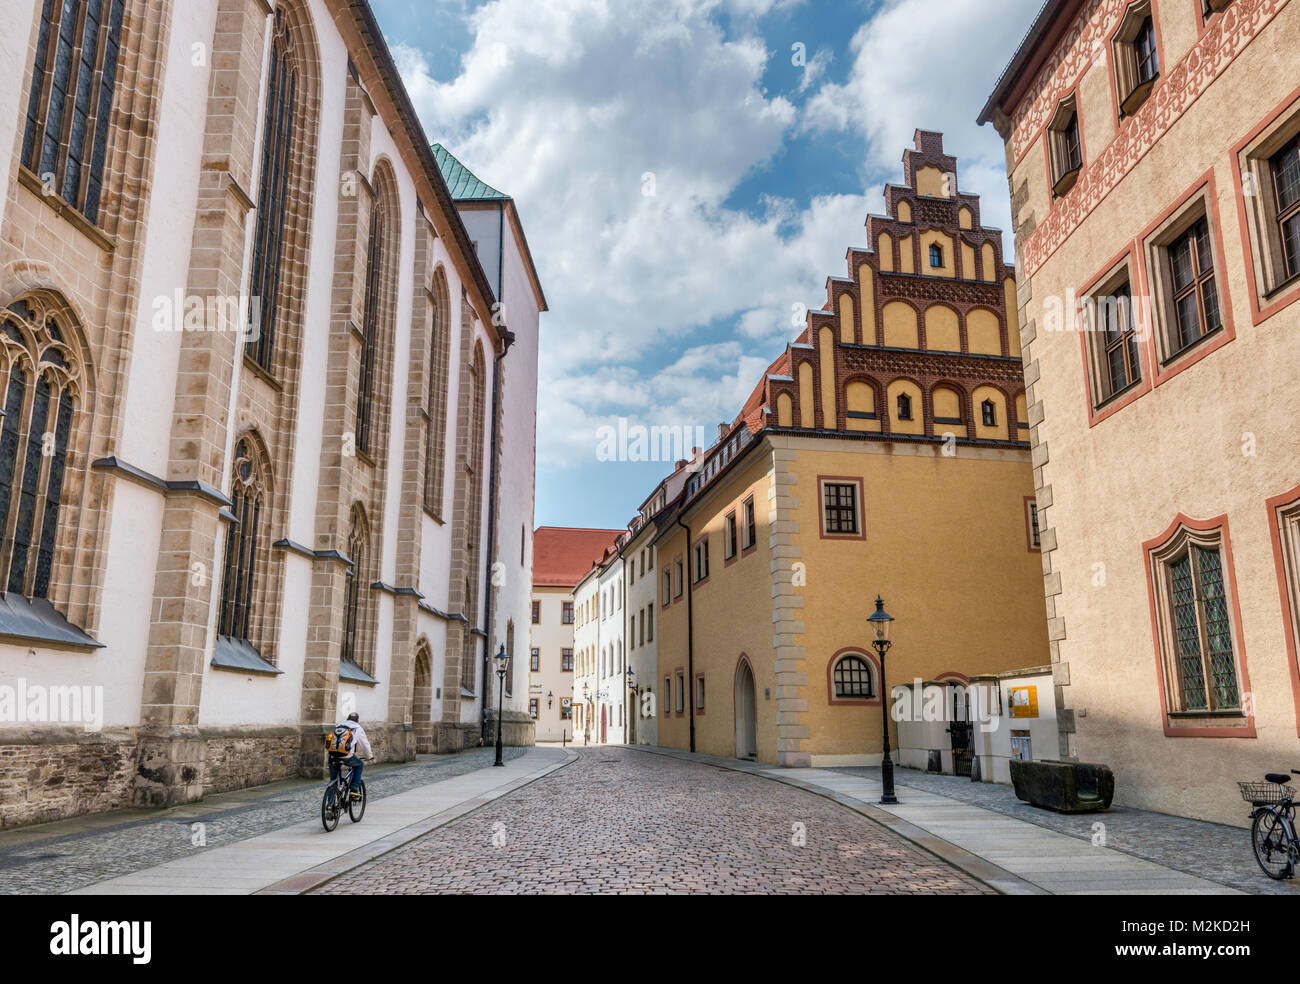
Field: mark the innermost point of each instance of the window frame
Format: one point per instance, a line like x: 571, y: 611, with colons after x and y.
x: 1161, y: 553
x: 1065, y: 150
x: 749, y: 529
x: 730, y: 537
x: 1131, y: 85
x: 1199, y: 202
x: 566, y: 612
x: 698, y: 694
x: 534, y: 660
x: 833, y: 698
x: 859, y: 511
x: 1284, y: 532
x: 566, y: 659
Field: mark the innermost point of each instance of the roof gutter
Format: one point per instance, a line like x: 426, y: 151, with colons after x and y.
x: 1025, y: 54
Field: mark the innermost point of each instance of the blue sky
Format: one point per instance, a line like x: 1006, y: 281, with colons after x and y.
x: 667, y: 307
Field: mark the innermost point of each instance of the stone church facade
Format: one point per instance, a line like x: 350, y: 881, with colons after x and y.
x: 256, y: 408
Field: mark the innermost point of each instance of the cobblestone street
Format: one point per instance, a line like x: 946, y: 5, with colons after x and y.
x: 638, y: 823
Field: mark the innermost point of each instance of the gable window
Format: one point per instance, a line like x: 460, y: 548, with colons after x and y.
x: 1195, y: 616
x: 1137, y: 60
x: 729, y: 541
x: 852, y: 678
x: 904, y: 407
x: 936, y: 255
x: 277, y: 131
x: 989, y: 413
x: 1065, y: 147
x: 534, y: 660
x: 65, y: 140
x: 840, y: 508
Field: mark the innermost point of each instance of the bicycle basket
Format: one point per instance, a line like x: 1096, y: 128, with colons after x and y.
x: 1264, y: 793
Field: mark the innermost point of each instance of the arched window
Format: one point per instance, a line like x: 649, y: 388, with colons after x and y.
x: 277, y: 132
x: 244, y: 544
x: 435, y: 437
x: 989, y: 411
x: 370, y: 327
x: 510, y: 663
x: 66, y: 137
x: 42, y: 379
x: 904, y: 407
x: 852, y: 676
x: 354, y: 604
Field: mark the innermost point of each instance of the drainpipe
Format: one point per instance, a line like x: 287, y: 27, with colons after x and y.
x: 507, y: 339
x: 690, y: 635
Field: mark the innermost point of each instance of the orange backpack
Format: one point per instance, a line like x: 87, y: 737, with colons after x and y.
x: 340, y: 741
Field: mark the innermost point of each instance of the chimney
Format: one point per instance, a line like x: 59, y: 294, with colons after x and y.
x: 722, y: 430
x: 681, y: 463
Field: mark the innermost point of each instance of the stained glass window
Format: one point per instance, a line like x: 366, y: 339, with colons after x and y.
x: 1205, y: 661
x: 65, y: 138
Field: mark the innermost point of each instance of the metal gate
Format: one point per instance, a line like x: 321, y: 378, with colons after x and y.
x: 961, y: 733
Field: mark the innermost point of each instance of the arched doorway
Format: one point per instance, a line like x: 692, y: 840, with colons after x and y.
x: 422, y: 697
x: 746, y: 712
x: 602, y: 724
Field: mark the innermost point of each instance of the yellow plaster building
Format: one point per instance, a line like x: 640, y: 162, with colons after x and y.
x: 885, y: 451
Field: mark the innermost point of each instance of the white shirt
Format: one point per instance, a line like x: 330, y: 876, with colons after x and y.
x: 360, y: 744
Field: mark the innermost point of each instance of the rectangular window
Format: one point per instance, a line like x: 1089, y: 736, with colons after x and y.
x: 1137, y: 59
x: 566, y: 660
x: 532, y: 708
x: 1195, y: 296
x: 751, y: 525
x: 677, y: 578
x: 840, y: 509
x: 650, y: 625
x: 1032, y: 531
x: 699, y: 693
x: 729, y: 541
x: 1064, y: 147
x: 680, y: 701
x: 668, y: 689
x: 534, y: 660
x: 632, y: 631
x: 566, y: 613
x: 1284, y: 167
x: 537, y: 612
x: 700, y: 570
x: 668, y: 590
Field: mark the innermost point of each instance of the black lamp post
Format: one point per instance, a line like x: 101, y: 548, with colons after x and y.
x: 503, y: 660
x: 880, y: 621
x: 587, y: 712
x: 631, y: 712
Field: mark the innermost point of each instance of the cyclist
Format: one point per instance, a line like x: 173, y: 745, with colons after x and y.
x: 344, y: 743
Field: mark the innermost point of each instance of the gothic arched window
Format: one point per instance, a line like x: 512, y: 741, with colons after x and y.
x: 354, y: 595
x: 277, y: 131
x: 249, y: 497
x: 66, y: 137
x: 435, y: 437
x: 370, y: 328
x: 43, y: 387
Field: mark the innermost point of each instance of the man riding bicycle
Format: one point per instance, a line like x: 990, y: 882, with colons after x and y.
x: 344, y: 743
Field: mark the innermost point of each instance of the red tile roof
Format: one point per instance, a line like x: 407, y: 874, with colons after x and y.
x: 562, y: 556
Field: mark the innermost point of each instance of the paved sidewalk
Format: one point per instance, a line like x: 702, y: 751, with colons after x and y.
x: 108, y: 852
x: 1012, y: 855
x: 298, y: 857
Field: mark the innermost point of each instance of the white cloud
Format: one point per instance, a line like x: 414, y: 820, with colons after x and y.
x: 928, y: 64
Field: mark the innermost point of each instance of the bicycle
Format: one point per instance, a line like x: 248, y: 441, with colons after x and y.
x: 337, y: 793
x: 1272, y: 824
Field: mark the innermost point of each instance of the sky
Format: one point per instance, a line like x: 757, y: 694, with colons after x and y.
x: 688, y: 174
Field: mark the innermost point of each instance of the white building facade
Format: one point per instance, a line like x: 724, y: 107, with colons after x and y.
x: 238, y: 297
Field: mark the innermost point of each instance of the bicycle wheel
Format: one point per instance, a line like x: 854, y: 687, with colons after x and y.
x: 1269, y: 837
x: 357, y: 807
x: 329, y: 808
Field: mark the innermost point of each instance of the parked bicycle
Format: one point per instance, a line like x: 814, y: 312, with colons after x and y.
x: 338, y: 797
x: 1272, y: 824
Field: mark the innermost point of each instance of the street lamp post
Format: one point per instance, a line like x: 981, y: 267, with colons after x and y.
x: 880, y: 621
x: 631, y: 711
x: 587, y: 708
x: 503, y: 660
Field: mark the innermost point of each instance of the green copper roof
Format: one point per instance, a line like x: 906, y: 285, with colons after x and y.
x: 461, y: 182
